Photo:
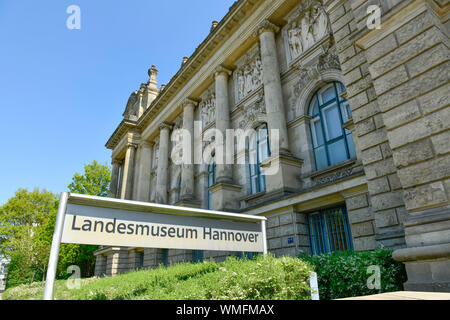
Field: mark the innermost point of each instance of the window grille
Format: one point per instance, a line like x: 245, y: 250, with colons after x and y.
x: 329, y: 231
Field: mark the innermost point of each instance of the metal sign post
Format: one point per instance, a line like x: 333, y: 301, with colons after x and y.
x: 54, y: 251
x: 94, y: 220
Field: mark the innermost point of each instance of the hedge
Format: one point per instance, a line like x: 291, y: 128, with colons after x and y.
x: 346, y: 274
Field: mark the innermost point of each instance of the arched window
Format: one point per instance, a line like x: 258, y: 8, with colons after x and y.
x: 211, y: 179
x: 259, y: 151
x: 332, y: 143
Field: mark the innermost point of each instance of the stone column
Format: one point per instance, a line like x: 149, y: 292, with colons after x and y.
x: 224, y: 173
x: 187, y: 169
x: 132, y: 260
x: 114, y: 184
x: 127, y: 175
x: 225, y: 195
x: 145, y: 170
x: 117, y: 262
x: 282, y: 170
x: 100, y: 266
x: 273, y: 94
x: 163, y: 164
x: 137, y: 161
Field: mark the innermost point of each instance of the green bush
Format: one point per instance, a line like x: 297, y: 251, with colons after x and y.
x: 265, y: 278
x: 269, y: 278
x: 346, y: 274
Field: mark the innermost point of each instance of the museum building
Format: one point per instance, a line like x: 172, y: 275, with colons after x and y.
x: 363, y: 141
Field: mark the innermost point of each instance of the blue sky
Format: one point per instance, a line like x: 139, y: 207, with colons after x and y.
x: 62, y: 92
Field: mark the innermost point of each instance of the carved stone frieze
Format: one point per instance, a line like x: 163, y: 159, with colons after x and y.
x: 251, y: 110
x: 208, y: 108
x: 248, y: 78
x: 328, y: 61
x: 307, y: 25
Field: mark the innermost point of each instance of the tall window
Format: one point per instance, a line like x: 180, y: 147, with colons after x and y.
x: 331, y: 142
x: 329, y: 231
x: 178, y: 196
x: 197, y: 256
x: 141, y: 260
x: 211, y: 179
x: 165, y: 257
x: 258, y: 152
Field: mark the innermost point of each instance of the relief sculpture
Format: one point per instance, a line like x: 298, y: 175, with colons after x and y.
x: 249, y: 78
x: 308, y: 26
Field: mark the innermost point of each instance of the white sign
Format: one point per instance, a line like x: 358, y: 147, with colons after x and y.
x: 129, y: 228
x: 112, y: 222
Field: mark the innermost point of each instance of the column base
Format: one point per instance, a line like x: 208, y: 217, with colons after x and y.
x: 427, y: 256
x: 189, y: 203
x: 225, y: 197
x: 428, y: 268
x: 282, y: 172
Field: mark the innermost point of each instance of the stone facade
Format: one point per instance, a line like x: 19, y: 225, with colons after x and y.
x: 266, y: 64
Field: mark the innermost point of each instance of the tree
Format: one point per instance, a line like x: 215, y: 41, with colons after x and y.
x: 21, y: 214
x: 20, y: 220
x: 27, y: 222
x: 94, y: 181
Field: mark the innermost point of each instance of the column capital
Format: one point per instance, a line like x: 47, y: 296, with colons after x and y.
x: 265, y: 26
x: 116, y: 162
x: 220, y: 69
x: 147, y: 144
x: 165, y: 125
x: 132, y: 145
x: 187, y: 102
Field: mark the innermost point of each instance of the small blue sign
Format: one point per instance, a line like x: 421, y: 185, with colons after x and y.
x: 290, y: 240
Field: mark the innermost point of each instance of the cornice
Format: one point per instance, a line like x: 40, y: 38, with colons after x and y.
x: 122, y: 129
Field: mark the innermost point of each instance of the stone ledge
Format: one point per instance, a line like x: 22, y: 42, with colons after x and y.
x: 336, y: 167
x: 422, y: 253
x: 427, y: 216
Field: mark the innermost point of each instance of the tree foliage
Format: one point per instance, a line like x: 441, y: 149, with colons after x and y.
x: 20, y: 221
x: 21, y: 214
x: 27, y: 222
x: 94, y: 181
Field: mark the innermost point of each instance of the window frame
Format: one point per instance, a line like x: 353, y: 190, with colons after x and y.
x: 211, y: 182
x: 319, y: 118
x: 141, y: 260
x: 325, y: 242
x: 178, y: 195
x: 259, y: 172
x: 197, y: 256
